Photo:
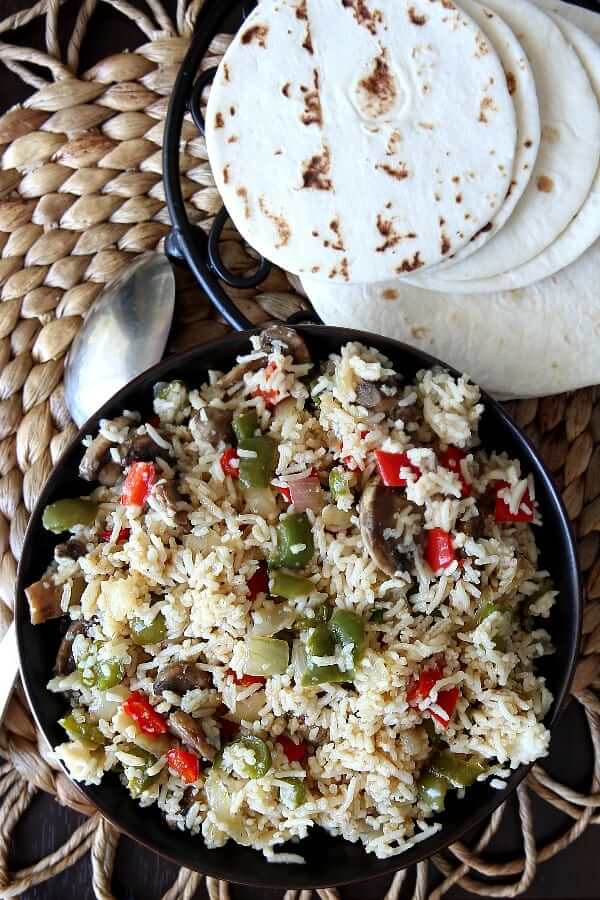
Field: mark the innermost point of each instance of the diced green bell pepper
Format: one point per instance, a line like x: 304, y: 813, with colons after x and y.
x: 294, y: 794
x: 293, y: 532
x: 66, y: 514
x: 262, y: 756
x: 85, y: 732
x: 245, y: 424
x: 459, y: 770
x: 339, y: 483
x: 348, y: 628
x: 153, y: 633
x: 282, y: 584
x: 258, y: 471
x: 432, y: 791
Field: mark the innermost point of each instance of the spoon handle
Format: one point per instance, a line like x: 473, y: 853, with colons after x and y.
x: 9, y: 669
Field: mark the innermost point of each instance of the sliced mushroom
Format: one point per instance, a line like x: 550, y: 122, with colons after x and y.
x: 212, y: 425
x: 379, y: 506
x: 289, y: 338
x: 166, y: 497
x: 181, y: 678
x: 109, y: 474
x: 44, y: 601
x: 142, y: 448
x: 97, y: 453
x: 370, y: 395
x: 65, y: 663
x: 235, y: 375
x: 191, y: 733
x: 72, y: 549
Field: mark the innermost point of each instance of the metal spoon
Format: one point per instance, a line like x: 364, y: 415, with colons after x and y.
x: 124, y: 334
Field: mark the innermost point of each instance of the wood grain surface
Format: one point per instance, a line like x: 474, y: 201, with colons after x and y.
x: 140, y: 875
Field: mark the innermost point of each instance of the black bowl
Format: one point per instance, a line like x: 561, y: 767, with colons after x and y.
x: 330, y: 861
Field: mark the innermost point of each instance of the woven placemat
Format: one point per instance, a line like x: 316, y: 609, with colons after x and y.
x: 81, y: 193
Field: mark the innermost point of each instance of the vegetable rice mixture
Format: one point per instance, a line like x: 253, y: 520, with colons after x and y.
x: 300, y: 594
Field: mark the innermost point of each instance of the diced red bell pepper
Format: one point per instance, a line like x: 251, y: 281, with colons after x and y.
x: 259, y: 582
x: 502, y: 510
x: 451, y: 459
x: 122, y: 536
x: 439, y: 551
x: 228, y: 730
x: 294, y: 752
x: 390, y: 465
x: 447, y: 700
x: 138, y: 708
x: 138, y: 483
x: 185, y: 764
x: 227, y: 457
x: 271, y: 397
x: 422, y: 687
x: 246, y: 680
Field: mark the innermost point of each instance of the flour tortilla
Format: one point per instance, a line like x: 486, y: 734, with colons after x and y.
x: 340, y: 134
x: 567, y: 161
x: 584, y: 229
x: 537, y: 341
x: 519, y: 75
x: 585, y: 19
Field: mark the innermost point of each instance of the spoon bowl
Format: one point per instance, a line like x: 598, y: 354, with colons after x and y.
x: 125, y: 333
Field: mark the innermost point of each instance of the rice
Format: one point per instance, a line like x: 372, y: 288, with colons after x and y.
x: 444, y: 653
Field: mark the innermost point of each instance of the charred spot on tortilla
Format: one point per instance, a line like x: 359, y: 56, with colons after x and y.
x: 385, y: 227
x: 316, y: 170
x: 445, y: 244
x: 456, y: 179
x: 284, y: 232
x: 545, y: 184
x: 341, y: 270
x: 441, y: 221
x: 427, y: 126
x: 368, y: 18
x: 232, y: 110
x: 302, y: 15
x: 487, y: 106
x: 511, y: 83
x: 376, y: 92
x: 232, y: 139
x: 437, y: 197
x: 419, y: 331
x: 415, y: 17
x: 313, y: 112
x: 550, y: 134
x: 256, y: 33
x: 482, y: 48
x: 528, y: 144
x: 219, y: 120
x: 458, y: 198
x: 226, y: 73
x: 390, y: 294
x: 399, y: 172
x: 393, y: 140
x: 511, y: 186
x: 285, y: 90
x: 338, y: 243
x: 226, y: 174
x: 243, y: 193
x: 483, y: 230
x: 410, y: 264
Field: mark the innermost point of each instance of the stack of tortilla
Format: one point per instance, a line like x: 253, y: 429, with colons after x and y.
x: 430, y: 169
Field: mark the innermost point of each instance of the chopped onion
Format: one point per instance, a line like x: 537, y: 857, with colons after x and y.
x: 307, y: 494
x: 247, y: 710
x: 261, y: 502
x: 268, y: 620
x: 299, y: 663
x: 266, y: 656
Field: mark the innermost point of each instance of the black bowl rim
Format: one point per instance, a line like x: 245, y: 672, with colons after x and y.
x: 396, y: 349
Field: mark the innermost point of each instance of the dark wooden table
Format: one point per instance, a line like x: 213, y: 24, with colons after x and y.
x: 140, y: 875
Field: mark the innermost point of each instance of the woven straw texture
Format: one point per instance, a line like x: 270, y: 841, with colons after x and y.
x: 81, y: 193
